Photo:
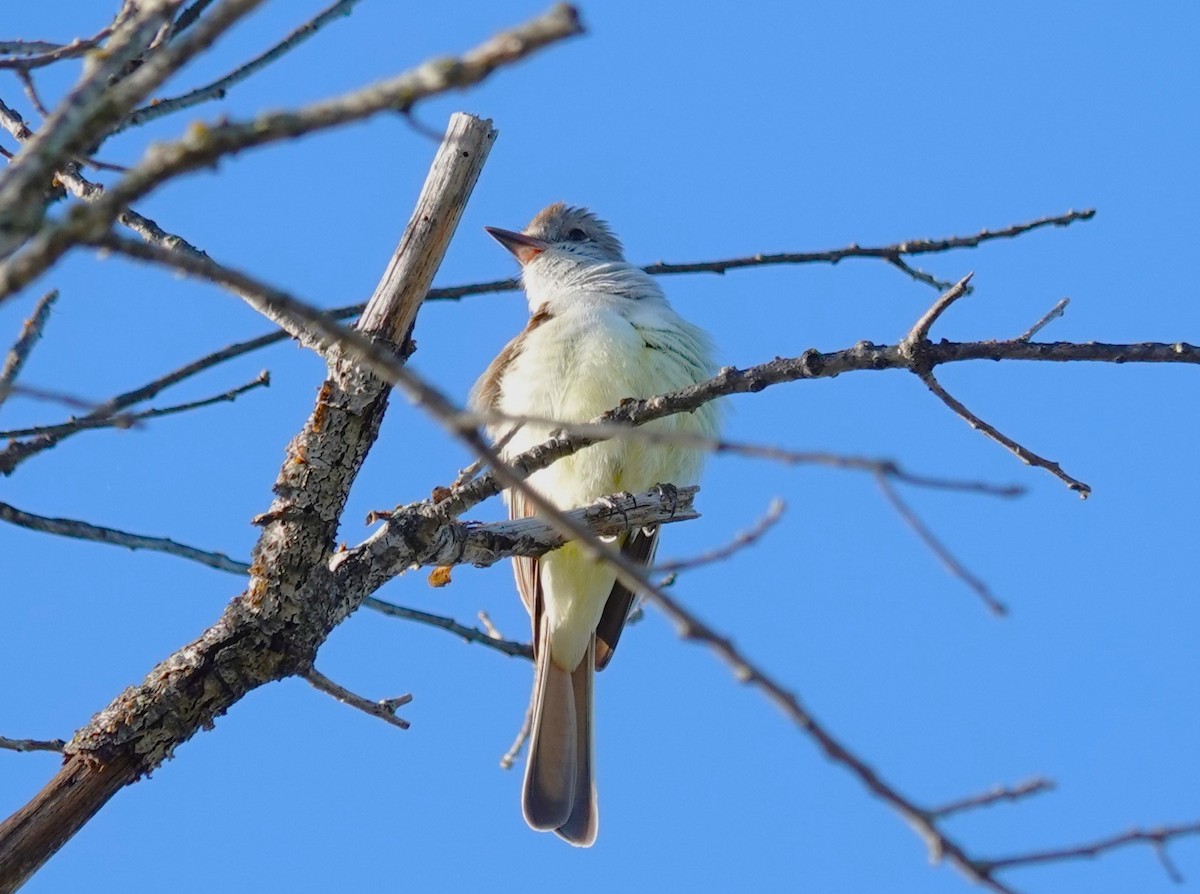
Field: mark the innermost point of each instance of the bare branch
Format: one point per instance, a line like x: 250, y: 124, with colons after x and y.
x: 32, y: 744
x: 907, y: 248
x: 940, y: 844
x: 31, y: 92
x: 385, y: 709
x: 1157, y: 837
x: 514, y: 750
x: 920, y: 330
x: 511, y: 648
x: 1036, y: 786
x: 947, y: 558
x: 920, y: 275
x: 275, y: 627
x: 80, y: 530
x: 101, y: 99
x: 602, y: 430
x: 740, y: 541
x: 1022, y: 452
x: 188, y: 17
x: 126, y: 420
x: 30, y: 333
x: 205, y: 144
x: 1051, y: 315
x: 37, y: 53
x: 217, y: 89
x: 27, y: 47
x: 489, y: 628
x: 451, y: 293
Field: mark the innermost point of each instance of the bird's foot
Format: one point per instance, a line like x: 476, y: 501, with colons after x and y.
x: 670, y: 493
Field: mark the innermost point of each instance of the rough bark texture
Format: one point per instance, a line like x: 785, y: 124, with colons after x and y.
x: 274, y: 628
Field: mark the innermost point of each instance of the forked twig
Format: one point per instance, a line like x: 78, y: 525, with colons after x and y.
x: 385, y: 709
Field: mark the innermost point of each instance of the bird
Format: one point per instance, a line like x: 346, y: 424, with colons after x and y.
x: 600, y: 331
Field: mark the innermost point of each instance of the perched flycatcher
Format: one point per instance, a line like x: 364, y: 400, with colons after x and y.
x: 600, y: 330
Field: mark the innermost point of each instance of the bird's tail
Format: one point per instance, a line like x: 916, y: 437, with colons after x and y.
x: 560, y: 793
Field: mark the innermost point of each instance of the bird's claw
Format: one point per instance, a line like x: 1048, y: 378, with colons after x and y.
x: 670, y: 493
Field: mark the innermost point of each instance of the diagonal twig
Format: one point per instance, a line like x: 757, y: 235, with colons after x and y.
x: 32, y: 744
x: 127, y: 420
x: 385, y: 709
x: 955, y: 567
x: 217, y: 89
x: 511, y: 648
x: 1051, y: 315
x: 514, y: 750
x: 1157, y: 838
x: 1022, y: 452
x: 81, y: 530
x: 31, y: 331
x: 204, y: 145
x: 919, y: 275
x: 1036, y: 786
x: 37, y: 53
x: 739, y: 542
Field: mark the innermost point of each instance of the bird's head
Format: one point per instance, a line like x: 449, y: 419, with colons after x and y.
x: 562, y: 232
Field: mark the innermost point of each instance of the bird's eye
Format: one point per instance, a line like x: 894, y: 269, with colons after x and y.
x: 575, y: 234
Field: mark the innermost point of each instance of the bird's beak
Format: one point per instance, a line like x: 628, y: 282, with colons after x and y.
x: 526, y: 248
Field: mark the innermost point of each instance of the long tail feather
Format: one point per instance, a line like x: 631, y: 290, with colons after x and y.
x: 582, y: 825
x: 550, y: 773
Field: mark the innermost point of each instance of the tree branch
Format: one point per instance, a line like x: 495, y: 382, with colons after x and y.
x: 511, y: 648
x: 274, y: 628
x: 127, y: 420
x: 204, y: 145
x: 955, y: 567
x: 384, y: 709
x: 32, y: 744
x: 30, y: 333
x: 101, y: 99
x: 217, y: 89
x: 81, y: 530
x: 1035, y: 786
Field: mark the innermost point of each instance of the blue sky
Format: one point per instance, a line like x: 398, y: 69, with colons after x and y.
x: 699, y: 134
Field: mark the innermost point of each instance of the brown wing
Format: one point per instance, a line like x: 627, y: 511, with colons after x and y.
x: 528, y: 572
x: 639, y: 548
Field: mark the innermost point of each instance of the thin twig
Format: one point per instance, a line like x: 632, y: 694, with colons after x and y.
x: 1022, y: 452
x: 919, y: 275
x: 188, y: 17
x: 31, y: 331
x: 384, y: 709
x: 514, y: 750
x: 907, y: 248
x: 316, y: 330
x: 31, y: 92
x: 512, y: 648
x: 944, y: 555
x: 205, y: 145
x: 217, y: 89
x: 939, y: 843
x: 127, y: 420
x: 1051, y: 315
x: 32, y: 744
x: 28, y: 60
x: 454, y: 293
x: 1030, y: 787
x: 27, y: 47
x: 920, y: 330
x: 1158, y: 837
x: 918, y: 351
x: 80, y: 530
x: 488, y: 626
x: 739, y: 542
x: 53, y: 396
